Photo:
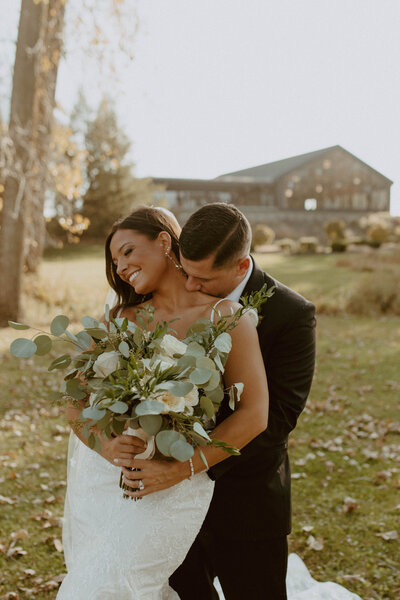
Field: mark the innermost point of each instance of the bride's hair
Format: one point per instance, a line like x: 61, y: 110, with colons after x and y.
x: 149, y: 221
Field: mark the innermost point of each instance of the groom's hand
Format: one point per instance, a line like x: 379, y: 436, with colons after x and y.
x: 123, y: 447
x: 154, y: 475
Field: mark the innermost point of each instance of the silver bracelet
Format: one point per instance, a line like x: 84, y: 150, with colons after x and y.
x: 191, y: 469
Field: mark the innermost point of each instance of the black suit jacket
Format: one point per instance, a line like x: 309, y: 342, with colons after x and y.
x: 252, y: 492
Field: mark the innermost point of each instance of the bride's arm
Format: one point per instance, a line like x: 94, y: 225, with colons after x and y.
x: 245, y: 364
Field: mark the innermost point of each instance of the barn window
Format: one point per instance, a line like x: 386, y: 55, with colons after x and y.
x: 310, y: 204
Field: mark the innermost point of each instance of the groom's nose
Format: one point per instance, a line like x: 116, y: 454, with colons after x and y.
x: 192, y: 284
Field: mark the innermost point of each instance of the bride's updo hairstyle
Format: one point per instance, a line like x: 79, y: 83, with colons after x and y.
x: 149, y: 221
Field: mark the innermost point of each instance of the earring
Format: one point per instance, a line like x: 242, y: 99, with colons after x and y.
x: 174, y: 262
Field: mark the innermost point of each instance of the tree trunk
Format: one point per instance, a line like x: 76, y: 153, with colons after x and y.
x: 52, y: 42
x: 29, y: 138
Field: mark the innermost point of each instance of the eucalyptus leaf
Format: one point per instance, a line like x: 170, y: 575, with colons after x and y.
x: 199, y: 429
x: 165, y: 438
x: 119, y: 407
x: 151, y: 423
x: 208, y: 406
x: 15, y: 325
x: 118, y: 426
x: 75, y: 389
x: 195, y: 349
x: 149, y: 407
x: 187, y: 360
x: 96, y: 333
x: 181, y: 450
x: 44, y: 344
x: 61, y: 362
x: 89, y: 322
x: 23, y: 348
x: 55, y: 396
x: 93, y: 413
x: 203, y: 458
x: 176, y: 388
x: 213, y: 382
x: 203, y: 362
x: 216, y: 395
x: 223, y: 342
x: 59, y: 324
x: 124, y: 349
x: 84, y: 340
x: 200, y: 376
x: 218, y: 362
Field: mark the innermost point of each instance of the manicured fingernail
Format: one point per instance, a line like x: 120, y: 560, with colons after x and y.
x: 116, y: 460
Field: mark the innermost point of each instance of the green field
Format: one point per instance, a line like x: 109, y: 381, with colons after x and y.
x: 345, y: 451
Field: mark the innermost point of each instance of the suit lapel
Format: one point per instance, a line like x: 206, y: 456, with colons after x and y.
x: 257, y: 280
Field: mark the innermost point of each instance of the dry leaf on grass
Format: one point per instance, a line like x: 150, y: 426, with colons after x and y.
x: 388, y: 535
x: 315, y: 543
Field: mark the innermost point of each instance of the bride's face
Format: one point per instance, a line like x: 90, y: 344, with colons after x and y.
x: 139, y: 261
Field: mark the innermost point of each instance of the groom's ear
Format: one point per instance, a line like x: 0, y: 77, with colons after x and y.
x: 243, y: 265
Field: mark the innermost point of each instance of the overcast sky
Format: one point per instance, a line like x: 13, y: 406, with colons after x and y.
x: 221, y: 85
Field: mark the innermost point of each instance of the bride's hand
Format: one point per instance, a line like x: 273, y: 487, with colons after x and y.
x: 122, y: 447
x: 154, y: 475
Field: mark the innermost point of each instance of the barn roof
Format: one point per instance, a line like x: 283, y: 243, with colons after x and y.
x: 270, y: 172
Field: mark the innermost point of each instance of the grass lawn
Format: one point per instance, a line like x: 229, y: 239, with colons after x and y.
x: 345, y: 451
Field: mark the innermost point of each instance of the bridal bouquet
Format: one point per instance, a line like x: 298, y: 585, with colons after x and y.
x: 134, y: 375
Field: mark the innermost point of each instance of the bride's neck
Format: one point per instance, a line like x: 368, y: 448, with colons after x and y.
x: 171, y: 292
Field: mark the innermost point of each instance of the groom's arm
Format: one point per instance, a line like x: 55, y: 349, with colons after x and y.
x: 289, y: 361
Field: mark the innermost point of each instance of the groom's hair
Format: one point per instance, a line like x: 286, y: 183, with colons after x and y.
x: 216, y: 229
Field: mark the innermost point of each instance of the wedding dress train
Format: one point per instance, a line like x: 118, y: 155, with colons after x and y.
x: 301, y: 586
x: 118, y: 549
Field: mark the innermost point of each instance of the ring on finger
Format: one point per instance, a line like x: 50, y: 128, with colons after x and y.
x: 141, y: 484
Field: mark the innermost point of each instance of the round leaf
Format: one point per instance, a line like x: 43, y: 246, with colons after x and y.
x: 97, y: 333
x: 44, y: 344
x: 200, y: 376
x: 203, y: 362
x: 119, y: 407
x: 84, y: 340
x: 176, y: 388
x: 93, y: 413
x: 59, y: 324
x: 214, y: 381
x: 89, y: 322
x: 149, y: 407
x: 223, y: 342
x: 124, y: 349
x: 181, y: 450
x: 75, y: 389
x: 15, y: 325
x: 194, y: 349
x: 23, y: 348
x: 151, y: 423
x: 62, y: 362
x: 164, y: 439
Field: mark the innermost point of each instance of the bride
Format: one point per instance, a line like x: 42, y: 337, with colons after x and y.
x: 116, y: 548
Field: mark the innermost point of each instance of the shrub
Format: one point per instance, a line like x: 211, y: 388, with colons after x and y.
x: 287, y: 245
x: 308, y: 245
x: 376, y: 293
x: 261, y: 235
x: 339, y: 245
x: 377, y: 234
x: 335, y: 230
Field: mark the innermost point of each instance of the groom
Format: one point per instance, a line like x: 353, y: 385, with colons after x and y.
x: 243, y: 538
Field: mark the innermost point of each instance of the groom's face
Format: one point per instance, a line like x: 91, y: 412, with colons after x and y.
x: 215, y: 281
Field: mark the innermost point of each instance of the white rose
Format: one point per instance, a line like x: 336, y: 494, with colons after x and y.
x: 164, y: 361
x: 172, y: 403
x: 170, y: 345
x: 106, y: 363
x: 253, y: 314
x: 192, y: 398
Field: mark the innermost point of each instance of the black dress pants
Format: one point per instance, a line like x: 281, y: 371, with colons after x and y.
x: 247, y: 570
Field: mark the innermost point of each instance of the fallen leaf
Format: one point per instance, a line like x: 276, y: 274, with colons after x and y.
x: 388, y: 535
x: 58, y: 545
x: 315, y: 543
x: 5, y: 500
x: 349, y: 505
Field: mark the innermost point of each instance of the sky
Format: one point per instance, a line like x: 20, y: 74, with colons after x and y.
x: 221, y: 85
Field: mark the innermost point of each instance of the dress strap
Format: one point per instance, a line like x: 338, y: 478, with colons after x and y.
x: 213, y: 309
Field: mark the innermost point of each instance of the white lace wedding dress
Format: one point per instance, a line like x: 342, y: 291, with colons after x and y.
x: 118, y: 549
